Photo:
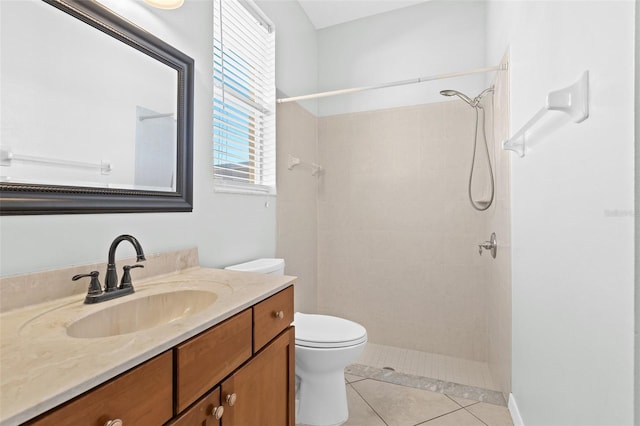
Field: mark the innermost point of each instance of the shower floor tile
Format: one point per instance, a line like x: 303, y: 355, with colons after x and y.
x: 425, y: 364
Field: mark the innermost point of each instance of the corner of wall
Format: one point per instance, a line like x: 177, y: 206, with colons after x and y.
x: 637, y: 217
x: 516, y: 418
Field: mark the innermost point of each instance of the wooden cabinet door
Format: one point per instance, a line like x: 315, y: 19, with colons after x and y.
x: 264, y: 388
x: 203, y: 413
x: 141, y: 396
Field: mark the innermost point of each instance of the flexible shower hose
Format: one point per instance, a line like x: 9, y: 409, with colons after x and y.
x: 476, y: 206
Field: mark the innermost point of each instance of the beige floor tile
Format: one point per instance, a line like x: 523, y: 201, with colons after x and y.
x: 403, y: 406
x: 462, y: 401
x: 360, y: 413
x: 458, y: 418
x: 492, y: 415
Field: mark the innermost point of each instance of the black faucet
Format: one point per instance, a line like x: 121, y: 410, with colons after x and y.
x: 111, y: 288
x: 111, y: 279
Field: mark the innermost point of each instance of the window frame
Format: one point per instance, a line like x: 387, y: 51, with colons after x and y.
x: 244, y: 119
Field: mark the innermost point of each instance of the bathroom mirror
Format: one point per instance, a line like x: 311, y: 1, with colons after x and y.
x: 97, y: 114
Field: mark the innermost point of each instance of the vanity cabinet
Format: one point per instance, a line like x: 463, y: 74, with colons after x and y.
x: 141, y: 396
x: 239, y: 372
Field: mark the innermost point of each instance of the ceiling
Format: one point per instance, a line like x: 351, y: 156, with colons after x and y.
x: 325, y: 13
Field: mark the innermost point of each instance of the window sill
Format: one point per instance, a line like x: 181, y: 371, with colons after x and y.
x: 234, y: 188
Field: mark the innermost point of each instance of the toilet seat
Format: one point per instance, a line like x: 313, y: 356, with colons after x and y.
x: 325, y: 331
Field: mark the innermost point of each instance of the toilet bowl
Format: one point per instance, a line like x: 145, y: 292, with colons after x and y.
x: 325, y: 345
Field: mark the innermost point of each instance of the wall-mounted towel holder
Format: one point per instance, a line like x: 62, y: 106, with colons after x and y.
x: 7, y: 157
x: 572, y: 100
x: 295, y: 161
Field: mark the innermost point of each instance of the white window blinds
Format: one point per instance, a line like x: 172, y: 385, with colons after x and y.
x: 244, y: 98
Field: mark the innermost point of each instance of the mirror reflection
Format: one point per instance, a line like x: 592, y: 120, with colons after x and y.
x: 83, y: 109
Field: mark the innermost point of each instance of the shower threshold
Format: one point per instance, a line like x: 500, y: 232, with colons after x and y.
x: 424, y: 364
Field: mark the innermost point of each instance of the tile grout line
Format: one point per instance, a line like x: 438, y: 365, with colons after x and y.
x: 441, y: 415
x: 367, y: 402
x: 461, y: 406
x: 482, y: 421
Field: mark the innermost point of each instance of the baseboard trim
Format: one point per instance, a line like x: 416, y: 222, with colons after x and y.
x: 515, y: 413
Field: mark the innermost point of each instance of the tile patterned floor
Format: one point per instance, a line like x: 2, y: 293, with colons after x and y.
x: 376, y: 403
x: 421, y: 389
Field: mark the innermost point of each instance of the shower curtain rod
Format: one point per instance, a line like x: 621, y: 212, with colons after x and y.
x: 392, y: 84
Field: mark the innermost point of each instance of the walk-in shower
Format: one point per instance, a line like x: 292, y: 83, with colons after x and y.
x: 475, y: 104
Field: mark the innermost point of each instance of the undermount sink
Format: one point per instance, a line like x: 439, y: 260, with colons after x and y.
x: 141, y: 313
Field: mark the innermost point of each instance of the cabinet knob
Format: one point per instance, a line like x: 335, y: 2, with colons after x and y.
x: 116, y: 422
x: 278, y: 314
x: 231, y: 399
x: 217, y: 412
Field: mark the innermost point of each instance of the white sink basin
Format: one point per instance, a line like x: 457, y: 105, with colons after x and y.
x: 141, y: 313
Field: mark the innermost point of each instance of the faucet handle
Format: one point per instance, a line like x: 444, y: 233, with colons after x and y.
x: 126, y: 276
x: 94, y: 285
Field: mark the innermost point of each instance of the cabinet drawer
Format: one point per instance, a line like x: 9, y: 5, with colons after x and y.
x: 141, y: 396
x: 203, y: 413
x: 206, y: 359
x: 272, y: 316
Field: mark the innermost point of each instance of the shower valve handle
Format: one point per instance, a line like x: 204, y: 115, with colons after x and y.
x: 491, y: 245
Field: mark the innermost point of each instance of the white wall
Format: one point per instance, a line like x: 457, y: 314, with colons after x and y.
x: 637, y: 212
x: 226, y: 228
x: 573, y: 261
x: 431, y: 38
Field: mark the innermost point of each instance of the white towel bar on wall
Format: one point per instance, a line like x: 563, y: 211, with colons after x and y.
x: 7, y: 157
x: 572, y: 100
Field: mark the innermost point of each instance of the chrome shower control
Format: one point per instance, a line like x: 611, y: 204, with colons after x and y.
x: 491, y: 245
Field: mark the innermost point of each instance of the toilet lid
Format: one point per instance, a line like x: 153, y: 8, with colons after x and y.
x: 324, y: 331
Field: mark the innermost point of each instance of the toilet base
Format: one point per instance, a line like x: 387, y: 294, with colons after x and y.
x: 326, y: 397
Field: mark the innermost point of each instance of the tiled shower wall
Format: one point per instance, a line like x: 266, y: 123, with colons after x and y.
x: 391, y: 229
x: 297, y: 131
x: 499, y: 221
x: 397, y: 238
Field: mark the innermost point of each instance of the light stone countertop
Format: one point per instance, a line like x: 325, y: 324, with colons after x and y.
x: 42, y: 367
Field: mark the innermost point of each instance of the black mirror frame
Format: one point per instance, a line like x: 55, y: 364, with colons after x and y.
x: 30, y: 199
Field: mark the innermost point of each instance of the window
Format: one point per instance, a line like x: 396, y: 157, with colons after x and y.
x: 244, y: 155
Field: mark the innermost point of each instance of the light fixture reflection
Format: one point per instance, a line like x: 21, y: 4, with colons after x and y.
x: 165, y: 4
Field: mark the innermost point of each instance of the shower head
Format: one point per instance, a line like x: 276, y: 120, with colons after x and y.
x: 472, y: 102
x: 462, y: 96
x: 484, y: 93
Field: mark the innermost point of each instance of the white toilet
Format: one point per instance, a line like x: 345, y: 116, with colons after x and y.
x: 325, y: 345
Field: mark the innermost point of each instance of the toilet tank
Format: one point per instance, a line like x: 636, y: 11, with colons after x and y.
x: 263, y: 266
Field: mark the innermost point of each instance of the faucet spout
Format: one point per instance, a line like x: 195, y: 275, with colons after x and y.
x: 111, y: 279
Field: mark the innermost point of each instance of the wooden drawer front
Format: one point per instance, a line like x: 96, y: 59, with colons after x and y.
x: 203, y: 413
x: 206, y: 359
x: 141, y: 396
x: 266, y: 321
